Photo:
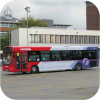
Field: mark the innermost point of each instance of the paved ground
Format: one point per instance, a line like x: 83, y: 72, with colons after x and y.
x: 51, y: 85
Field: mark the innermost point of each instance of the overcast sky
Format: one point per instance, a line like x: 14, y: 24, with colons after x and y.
x: 70, y: 12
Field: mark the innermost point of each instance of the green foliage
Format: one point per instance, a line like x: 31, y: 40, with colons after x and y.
x: 5, y: 40
x: 32, y: 22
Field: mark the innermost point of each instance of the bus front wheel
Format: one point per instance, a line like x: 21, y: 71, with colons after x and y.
x: 34, y: 69
x: 78, y: 67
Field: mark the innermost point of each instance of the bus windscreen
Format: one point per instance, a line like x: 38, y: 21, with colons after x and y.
x: 7, y: 55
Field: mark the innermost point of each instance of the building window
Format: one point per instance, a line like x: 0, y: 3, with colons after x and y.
x: 0, y: 24
x: 78, y: 41
x: 99, y: 40
x: 66, y: 39
x: 51, y: 38
x: 92, y: 39
x: 32, y: 38
x: 61, y: 38
x: 76, y: 37
x: 88, y: 39
x: 35, y: 38
x: 56, y: 39
x: 81, y: 39
x: 5, y: 25
x: 38, y: 38
x: 41, y: 38
x: 85, y: 39
x: 71, y: 39
x: 96, y: 39
x: 44, y: 38
x: 47, y: 38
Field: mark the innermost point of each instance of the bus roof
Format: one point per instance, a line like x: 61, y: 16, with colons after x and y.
x: 63, y: 47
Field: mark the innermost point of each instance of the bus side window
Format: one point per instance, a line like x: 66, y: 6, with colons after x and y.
x: 85, y: 54
x: 33, y: 56
x: 92, y: 54
x: 45, y: 56
x: 66, y: 55
x: 77, y: 54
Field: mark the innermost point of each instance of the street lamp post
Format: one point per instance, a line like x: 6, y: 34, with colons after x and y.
x: 9, y: 30
x: 8, y: 15
x: 27, y: 9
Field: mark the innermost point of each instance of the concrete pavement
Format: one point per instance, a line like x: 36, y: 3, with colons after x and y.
x: 51, y: 85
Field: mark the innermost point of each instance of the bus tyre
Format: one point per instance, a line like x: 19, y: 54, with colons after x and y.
x: 78, y: 67
x: 34, y: 69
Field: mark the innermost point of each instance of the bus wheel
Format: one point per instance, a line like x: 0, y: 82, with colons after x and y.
x: 78, y: 67
x: 34, y: 69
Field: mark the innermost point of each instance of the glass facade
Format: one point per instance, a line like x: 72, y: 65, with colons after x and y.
x: 69, y: 39
x: 7, y: 25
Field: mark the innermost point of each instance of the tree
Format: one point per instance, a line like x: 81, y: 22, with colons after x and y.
x: 5, y: 40
x: 32, y: 22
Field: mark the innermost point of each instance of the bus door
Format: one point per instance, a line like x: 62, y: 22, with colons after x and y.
x: 21, y: 61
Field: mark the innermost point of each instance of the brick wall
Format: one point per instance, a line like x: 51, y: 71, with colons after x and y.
x: 92, y: 15
x: 4, y: 29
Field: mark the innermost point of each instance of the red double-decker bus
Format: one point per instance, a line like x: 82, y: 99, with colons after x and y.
x: 38, y: 59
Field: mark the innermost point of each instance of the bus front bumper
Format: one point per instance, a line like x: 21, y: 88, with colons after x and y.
x: 8, y: 69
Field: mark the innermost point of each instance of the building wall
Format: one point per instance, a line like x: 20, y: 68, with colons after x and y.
x: 54, y: 44
x: 51, y: 36
x: 23, y: 37
x: 92, y: 15
x: 48, y: 22
x: 15, y: 37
